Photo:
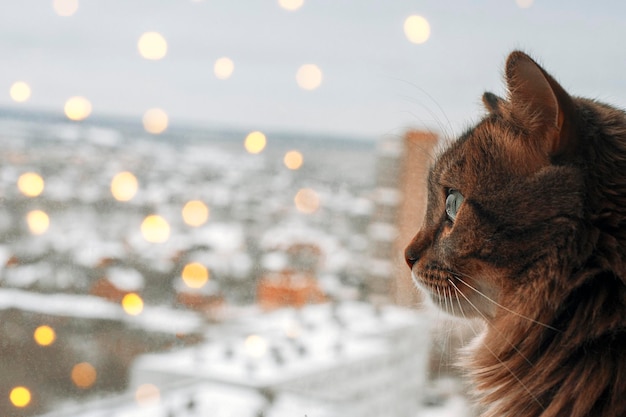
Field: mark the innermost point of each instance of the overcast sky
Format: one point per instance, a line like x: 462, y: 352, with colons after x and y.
x: 375, y: 81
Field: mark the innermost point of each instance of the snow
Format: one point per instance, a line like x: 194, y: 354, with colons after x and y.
x: 182, y: 400
x: 154, y: 318
x: 27, y: 275
x: 125, y: 279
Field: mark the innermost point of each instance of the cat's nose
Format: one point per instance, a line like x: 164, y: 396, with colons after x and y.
x: 411, y: 256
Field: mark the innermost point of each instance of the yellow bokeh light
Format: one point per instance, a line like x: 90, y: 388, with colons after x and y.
x: 255, y: 142
x: 38, y: 222
x: 77, y: 108
x: 293, y: 160
x: 147, y: 394
x: 152, y: 45
x: 20, y: 397
x: 84, y: 375
x: 524, y: 4
x: 132, y: 304
x: 307, y: 201
x: 291, y: 5
x: 65, y: 8
x: 155, y: 229
x: 195, y: 275
x: 124, y: 186
x: 195, y: 213
x: 155, y: 121
x: 44, y: 335
x: 20, y: 91
x: 309, y: 77
x: 255, y: 346
x: 417, y: 29
x: 30, y: 184
x: 224, y: 68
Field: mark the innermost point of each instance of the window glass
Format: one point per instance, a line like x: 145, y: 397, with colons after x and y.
x: 204, y: 204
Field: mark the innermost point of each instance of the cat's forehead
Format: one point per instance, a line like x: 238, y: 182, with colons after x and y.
x: 455, y: 155
x: 476, y: 154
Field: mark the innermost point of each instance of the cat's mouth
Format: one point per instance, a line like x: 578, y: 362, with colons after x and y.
x: 451, y: 292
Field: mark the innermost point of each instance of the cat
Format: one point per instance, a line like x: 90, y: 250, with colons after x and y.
x: 525, y: 228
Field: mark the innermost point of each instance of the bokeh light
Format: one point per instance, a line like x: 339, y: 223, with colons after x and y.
x: 255, y: 142
x: 124, y: 186
x: 84, y: 375
x: 30, y: 184
x: 20, y: 91
x: 155, y: 121
x: 44, y: 335
x: 309, y: 77
x: 65, y: 8
x: 77, y: 108
x: 291, y: 5
x: 147, y: 394
x: 524, y: 4
x: 155, y: 229
x: 152, y: 45
x: 417, y: 29
x: 224, y: 68
x: 195, y: 213
x: 307, y: 201
x: 20, y: 397
x: 293, y: 160
x: 255, y: 346
x: 132, y: 304
x: 195, y: 275
x: 38, y: 222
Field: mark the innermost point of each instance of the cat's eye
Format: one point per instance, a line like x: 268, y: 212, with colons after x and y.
x: 453, y: 203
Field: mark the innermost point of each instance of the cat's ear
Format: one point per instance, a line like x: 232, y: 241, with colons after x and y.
x: 540, y: 104
x: 492, y: 103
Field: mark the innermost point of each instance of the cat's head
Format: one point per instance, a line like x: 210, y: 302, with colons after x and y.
x: 505, y: 202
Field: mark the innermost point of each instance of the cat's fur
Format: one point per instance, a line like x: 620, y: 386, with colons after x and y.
x: 537, y: 249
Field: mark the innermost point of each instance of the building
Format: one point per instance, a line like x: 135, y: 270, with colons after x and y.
x: 344, y: 359
x: 400, y: 202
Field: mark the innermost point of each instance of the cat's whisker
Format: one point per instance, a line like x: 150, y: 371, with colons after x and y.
x: 445, y: 301
x: 446, y: 129
x: 486, y: 321
x: 428, y: 153
x: 496, y: 356
x: 458, y: 303
x: 444, y: 339
x: 477, y: 291
x: 451, y: 303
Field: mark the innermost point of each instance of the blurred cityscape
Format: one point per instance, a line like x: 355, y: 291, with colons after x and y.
x: 201, y: 272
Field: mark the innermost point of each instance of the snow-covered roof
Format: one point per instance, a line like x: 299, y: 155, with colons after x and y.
x: 185, y: 400
x: 277, y: 347
x: 153, y: 318
x: 126, y: 279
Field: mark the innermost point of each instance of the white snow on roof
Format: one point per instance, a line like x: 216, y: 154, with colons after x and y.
x: 195, y: 399
x: 225, y: 237
x: 91, y: 253
x: 274, y: 261
x: 23, y: 276
x: 154, y: 318
x: 287, y: 343
x: 126, y: 279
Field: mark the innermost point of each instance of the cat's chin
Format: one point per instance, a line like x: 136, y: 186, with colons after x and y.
x: 448, y: 297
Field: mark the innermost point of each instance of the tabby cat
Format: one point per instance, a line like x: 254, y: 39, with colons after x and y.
x: 526, y: 229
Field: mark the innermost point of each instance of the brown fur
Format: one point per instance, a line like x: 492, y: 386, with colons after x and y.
x: 542, y: 233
